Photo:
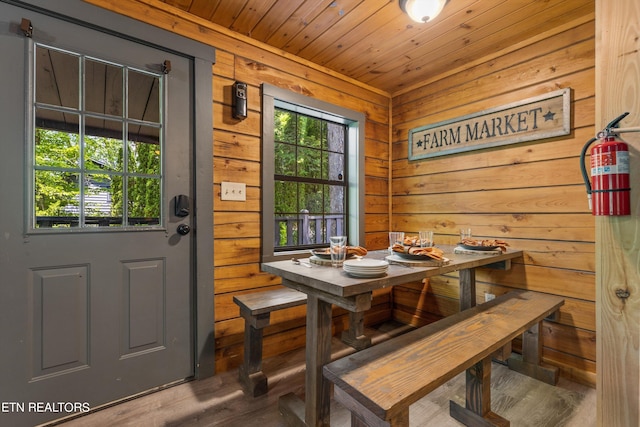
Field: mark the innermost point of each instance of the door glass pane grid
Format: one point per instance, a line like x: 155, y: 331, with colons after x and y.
x: 309, y: 184
x: 86, y: 174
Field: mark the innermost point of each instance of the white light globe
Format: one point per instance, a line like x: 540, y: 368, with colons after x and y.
x: 424, y: 10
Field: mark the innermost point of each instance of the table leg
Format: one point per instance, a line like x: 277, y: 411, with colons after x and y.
x: 318, y: 354
x: 355, y: 336
x: 467, y: 288
x: 315, y: 410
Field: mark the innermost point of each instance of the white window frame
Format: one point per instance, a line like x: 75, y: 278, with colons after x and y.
x: 273, y: 97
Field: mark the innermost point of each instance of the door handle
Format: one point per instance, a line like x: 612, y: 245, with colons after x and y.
x: 183, y: 229
x: 181, y: 205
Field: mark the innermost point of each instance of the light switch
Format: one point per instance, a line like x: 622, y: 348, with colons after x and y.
x: 233, y: 191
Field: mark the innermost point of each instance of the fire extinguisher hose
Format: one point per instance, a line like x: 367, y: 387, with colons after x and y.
x: 583, y: 168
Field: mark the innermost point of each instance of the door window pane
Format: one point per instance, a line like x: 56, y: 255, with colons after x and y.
x: 144, y: 150
x: 104, y: 88
x: 85, y: 175
x: 57, y: 196
x: 98, y: 211
x: 51, y: 88
x: 103, y: 152
x: 144, y: 86
x: 143, y: 195
x: 57, y: 148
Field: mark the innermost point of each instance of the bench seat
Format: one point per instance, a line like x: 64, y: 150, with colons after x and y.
x: 379, y: 384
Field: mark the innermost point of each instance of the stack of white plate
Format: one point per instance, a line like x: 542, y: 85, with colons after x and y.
x: 363, y: 267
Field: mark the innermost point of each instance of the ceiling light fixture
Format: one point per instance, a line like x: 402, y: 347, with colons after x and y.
x: 422, y: 10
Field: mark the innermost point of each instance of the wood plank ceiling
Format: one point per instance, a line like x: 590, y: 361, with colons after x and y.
x: 374, y: 42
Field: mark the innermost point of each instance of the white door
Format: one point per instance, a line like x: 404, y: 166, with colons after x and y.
x: 96, y: 255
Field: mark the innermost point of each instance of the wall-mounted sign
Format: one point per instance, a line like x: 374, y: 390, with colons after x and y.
x: 543, y: 116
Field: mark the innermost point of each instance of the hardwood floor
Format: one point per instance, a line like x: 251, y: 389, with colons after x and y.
x: 219, y: 401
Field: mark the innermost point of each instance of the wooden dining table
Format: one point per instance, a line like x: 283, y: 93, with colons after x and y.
x: 326, y: 285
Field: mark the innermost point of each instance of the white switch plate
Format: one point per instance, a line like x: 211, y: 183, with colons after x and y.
x: 233, y: 191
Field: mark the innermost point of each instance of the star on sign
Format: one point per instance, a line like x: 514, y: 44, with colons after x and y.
x: 419, y: 143
x: 548, y: 116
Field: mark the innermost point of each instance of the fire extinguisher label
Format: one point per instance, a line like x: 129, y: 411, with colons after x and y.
x: 623, y: 161
x: 610, y: 163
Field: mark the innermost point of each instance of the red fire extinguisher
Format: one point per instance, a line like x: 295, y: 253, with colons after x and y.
x: 608, y: 191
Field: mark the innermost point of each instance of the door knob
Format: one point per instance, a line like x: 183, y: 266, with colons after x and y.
x: 183, y: 229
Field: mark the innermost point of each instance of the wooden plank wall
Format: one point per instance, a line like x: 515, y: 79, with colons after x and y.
x: 530, y: 194
x: 618, y: 238
x: 237, y: 158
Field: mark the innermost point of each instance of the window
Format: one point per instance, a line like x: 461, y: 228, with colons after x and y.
x: 309, y: 193
x: 96, y: 156
x: 313, y: 173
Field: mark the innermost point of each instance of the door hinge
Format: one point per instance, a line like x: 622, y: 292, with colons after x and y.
x: 26, y: 28
x: 166, y: 66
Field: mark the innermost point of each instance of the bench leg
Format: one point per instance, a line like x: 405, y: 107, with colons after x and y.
x: 355, y: 336
x: 253, y: 380
x: 532, y: 356
x: 361, y: 416
x: 503, y: 353
x: 477, y: 412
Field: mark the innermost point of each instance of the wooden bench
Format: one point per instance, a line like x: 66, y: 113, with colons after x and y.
x: 379, y: 384
x: 256, y: 309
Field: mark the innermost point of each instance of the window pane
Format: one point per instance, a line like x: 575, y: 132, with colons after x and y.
x: 103, y: 145
x: 57, y: 194
x: 285, y: 126
x: 325, y: 166
x: 336, y: 199
x: 97, y: 200
x: 57, y: 149
x: 51, y: 119
x: 309, y: 163
x: 144, y: 96
x: 311, y: 198
x: 117, y: 197
x: 144, y: 150
x: 57, y: 78
x: 285, y: 159
x: 309, y: 131
x: 286, y: 230
x: 286, y: 214
x: 103, y: 88
x: 143, y: 198
x: 287, y: 200
x: 336, y: 137
x: 336, y: 166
